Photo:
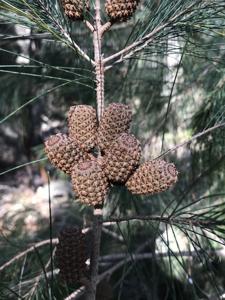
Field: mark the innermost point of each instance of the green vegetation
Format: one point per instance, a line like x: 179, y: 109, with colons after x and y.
x: 166, y: 246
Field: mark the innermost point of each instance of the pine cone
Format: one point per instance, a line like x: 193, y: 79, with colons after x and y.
x: 152, y: 177
x: 122, y: 158
x: 120, y: 10
x: 75, y: 9
x: 63, y: 152
x: 90, y: 183
x: 82, y: 125
x: 71, y: 255
x: 115, y: 120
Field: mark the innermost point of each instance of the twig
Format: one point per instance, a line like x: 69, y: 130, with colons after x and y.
x: 89, y: 25
x: 42, y: 36
x: 126, y: 259
x: 40, y: 276
x: 169, y: 220
x: 79, y: 50
x: 38, y: 36
x: 31, y: 249
x: 113, y: 221
x: 194, y: 137
x: 94, y: 261
x: 99, y: 65
x: 135, y: 256
x: 64, y: 32
x: 76, y: 294
x: 105, y: 27
x: 97, y: 216
x: 144, y: 41
x: 113, y: 234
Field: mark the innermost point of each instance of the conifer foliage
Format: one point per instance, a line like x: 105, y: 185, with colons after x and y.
x: 119, y: 54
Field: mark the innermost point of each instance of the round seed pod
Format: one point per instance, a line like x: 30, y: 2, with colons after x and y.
x: 90, y: 183
x: 152, y: 177
x: 82, y: 125
x: 63, y: 152
x: 122, y: 158
x: 75, y: 9
x: 116, y: 119
x: 120, y: 10
x: 71, y: 255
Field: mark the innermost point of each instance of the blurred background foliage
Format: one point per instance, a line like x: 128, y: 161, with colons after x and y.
x: 176, y: 88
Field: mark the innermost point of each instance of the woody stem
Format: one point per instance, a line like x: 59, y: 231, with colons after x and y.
x: 99, y: 65
x: 97, y: 216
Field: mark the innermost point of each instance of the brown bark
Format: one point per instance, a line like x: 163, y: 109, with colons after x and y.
x: 97, y: 216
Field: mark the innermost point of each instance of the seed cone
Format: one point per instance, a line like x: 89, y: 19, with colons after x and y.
x: 115, y: 120
x: 71, y: 255
x: 152, y: 177
x: 75, y: 9
x: 63, y: 152
x: 120, y: 10
x: 122, y: 158
x: 90, y: 182
x: 82, y: 125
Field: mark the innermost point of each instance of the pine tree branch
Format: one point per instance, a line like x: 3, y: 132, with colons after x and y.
x: 94, y: 261
x: 113, y: 234
x: 65, y: 33
x: 124, y: 259
x: 37, y: 36
x: 190, y: 221
x: 99, y: 65
x: 97, y: 215
x: 77, y: 47
x: 41, y: 36
x: 147, y: 255
x: 25, y: 252
x: 143, y: 42
x: 34, y: 16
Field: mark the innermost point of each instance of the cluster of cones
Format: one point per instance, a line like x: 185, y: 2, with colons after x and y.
x: 119, y: 160
x: 117, y: 10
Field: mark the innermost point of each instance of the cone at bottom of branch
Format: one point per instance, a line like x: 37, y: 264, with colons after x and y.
x: 71, y: 255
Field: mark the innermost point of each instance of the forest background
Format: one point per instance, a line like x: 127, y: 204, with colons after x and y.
x: 165, y: 246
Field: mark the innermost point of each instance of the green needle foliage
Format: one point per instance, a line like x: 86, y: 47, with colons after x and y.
x: 169, y: 245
